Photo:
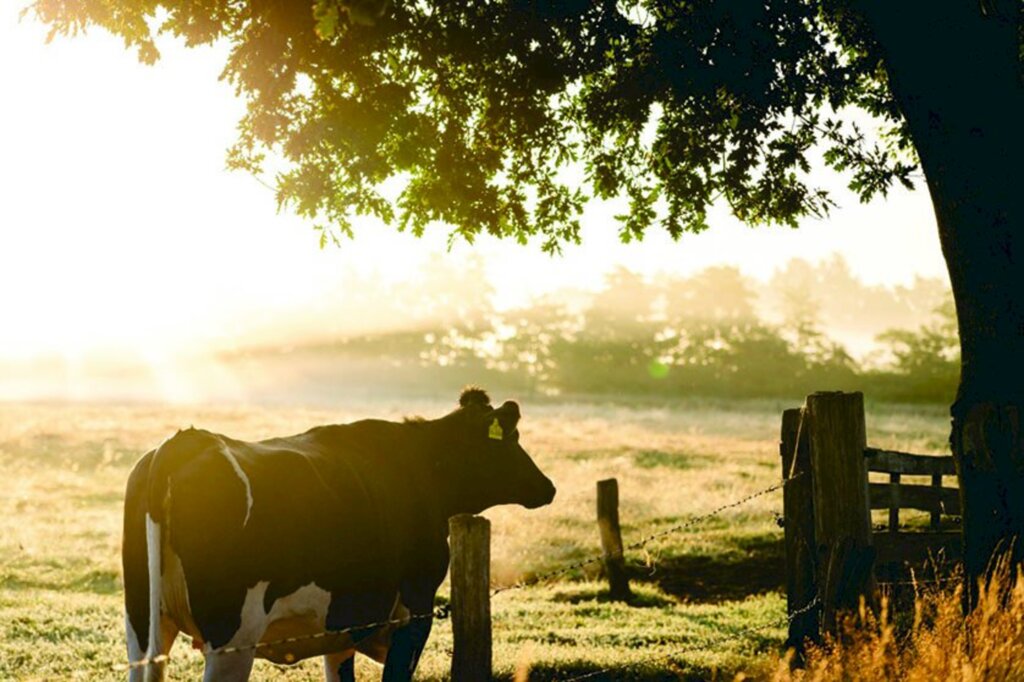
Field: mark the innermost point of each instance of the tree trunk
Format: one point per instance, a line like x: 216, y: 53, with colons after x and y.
x: 955, y: 70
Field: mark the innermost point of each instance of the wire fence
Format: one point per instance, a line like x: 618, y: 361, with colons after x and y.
x: 442, y: 612
x: 644, y: 541
x: 439, y: 613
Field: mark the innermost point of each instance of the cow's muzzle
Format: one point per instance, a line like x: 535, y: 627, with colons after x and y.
x: 543, y: 497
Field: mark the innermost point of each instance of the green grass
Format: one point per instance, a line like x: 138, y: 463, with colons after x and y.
x: 698, y: 591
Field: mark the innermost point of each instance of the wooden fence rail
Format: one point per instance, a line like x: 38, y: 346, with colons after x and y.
x: 933, y: 498
x: 896, y: 495
x: 906, y: 463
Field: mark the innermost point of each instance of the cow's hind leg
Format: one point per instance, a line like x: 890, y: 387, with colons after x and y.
x: 229, y: 667
x: 340, y: 667
x: 407, y: 644
x: 136, y: 652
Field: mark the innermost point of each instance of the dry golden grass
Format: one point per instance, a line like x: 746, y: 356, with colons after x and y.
x: 937, y: 642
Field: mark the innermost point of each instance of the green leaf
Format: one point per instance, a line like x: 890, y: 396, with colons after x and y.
x: 325, y: 13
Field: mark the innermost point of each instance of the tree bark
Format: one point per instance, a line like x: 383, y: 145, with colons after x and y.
x: 955, y: 70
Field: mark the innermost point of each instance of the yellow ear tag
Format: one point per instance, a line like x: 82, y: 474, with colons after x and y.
x: 495, y: 432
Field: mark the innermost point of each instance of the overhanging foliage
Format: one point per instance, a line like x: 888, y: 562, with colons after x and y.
x: 505, y: 117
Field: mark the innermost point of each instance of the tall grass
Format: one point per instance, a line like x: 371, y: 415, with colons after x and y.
x: 938, y: 643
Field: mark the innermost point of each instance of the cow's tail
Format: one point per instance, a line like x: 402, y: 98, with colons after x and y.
x: 154, y: 647
x: 168, y: 458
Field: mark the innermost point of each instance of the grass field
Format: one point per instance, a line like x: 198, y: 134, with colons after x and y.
x: 64, y: 467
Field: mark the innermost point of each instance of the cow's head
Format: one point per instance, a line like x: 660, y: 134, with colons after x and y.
x: 492, y: 468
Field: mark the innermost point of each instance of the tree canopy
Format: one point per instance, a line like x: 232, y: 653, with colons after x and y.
x: 506, y: 117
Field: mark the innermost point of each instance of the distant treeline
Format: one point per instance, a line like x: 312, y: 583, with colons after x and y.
x: 716, y: 333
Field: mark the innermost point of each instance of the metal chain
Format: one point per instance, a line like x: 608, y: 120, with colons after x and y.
x: 439, y: 613
x: 689, y: 523
x: 742, y: 634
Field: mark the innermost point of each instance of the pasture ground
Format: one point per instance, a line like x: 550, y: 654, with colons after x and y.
x: 64, y: 466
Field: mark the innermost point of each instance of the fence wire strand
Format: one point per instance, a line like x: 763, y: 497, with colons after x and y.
x: 439, y: 613
x: 442, y: 612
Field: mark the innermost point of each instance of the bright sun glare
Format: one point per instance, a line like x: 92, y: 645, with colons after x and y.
x: 122, y: 232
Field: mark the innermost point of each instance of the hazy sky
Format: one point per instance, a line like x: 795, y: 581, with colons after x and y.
x: 120, y: 227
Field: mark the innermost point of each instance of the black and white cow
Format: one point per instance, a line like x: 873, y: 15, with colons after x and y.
x: 238, y: 544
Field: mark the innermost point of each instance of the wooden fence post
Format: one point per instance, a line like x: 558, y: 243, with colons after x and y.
x: 894, y: 502
x: 798, y: 519
x: 936, y: 515
x: 842, y: 516
x: 471, y: 600
x: 611, y: 539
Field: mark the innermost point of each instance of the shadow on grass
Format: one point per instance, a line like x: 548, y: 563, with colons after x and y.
x: 648, y: 459
x: 94, y: 581
x: 601, y: 596
x: 760, y: 569
x: 546, y: 673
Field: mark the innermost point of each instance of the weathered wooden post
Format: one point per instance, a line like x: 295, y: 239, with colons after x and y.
x: 798, y: 517
x: 611, y: 539
x: 894, y: 502
x: 936, y: 514
x: 471, y: 601
x: 842, y: 517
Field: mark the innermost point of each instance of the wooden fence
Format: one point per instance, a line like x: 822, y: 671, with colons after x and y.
x: 832, y: 548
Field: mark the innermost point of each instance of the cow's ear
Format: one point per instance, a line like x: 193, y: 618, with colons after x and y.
x: 507, y: 417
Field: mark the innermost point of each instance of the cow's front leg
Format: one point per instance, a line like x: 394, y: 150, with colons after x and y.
x: 340, y: 667
x: 407, y: 644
